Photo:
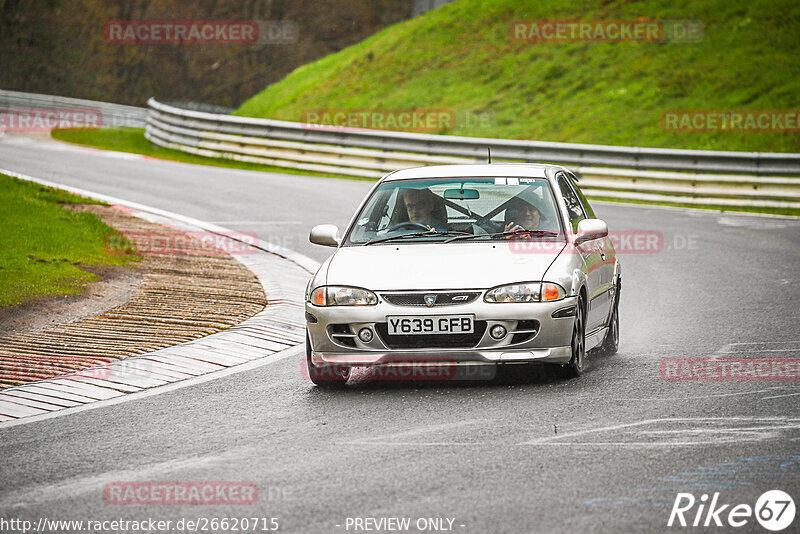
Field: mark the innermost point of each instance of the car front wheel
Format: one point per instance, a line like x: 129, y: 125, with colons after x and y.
x: 611, y: 342
x: 578, y: 344
x: 328, y: 375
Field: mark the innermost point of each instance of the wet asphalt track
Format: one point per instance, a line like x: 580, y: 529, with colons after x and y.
x: 604, y: 453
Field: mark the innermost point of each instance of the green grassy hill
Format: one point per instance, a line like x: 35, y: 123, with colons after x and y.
x: 461, y: 57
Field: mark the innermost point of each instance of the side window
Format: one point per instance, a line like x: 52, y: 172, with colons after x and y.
x: 586, y: 207
x: 574, y: 207
x: 388, y: 210
x: 377, y: 216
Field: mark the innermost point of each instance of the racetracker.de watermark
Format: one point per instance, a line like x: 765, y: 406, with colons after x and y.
x: 434, y: 370
x: 181, y: 243
x: 730, y: 369
x: 236, y: 32
x: 420, y: 120
x: 45, y: 119
x: 733, y: 121
x: 624, y: 242
x: 606, y: 31
x: 180, y: 493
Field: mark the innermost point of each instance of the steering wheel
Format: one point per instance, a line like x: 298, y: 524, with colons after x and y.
x: 408, y: 225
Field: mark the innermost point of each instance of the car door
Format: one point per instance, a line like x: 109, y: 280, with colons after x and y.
x: 608, y: 254
x: 590, y: 251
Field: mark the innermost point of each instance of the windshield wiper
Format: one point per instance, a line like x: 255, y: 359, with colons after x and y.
x: 537, y: 233
x: 417, y: 234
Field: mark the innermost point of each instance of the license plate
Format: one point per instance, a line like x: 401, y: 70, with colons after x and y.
x: 433, y: 324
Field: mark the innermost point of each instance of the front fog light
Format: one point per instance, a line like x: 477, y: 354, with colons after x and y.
x: 498, y: 332
x: 365, y: 335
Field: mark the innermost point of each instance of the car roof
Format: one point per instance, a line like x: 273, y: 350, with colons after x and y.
x: 530, y: 170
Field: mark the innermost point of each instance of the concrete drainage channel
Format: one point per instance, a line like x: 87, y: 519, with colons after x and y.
x: 270, y: 335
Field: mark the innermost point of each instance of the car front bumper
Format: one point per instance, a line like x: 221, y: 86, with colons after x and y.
x: 333, y: 334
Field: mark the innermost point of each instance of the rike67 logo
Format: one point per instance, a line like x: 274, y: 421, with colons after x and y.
x: 774, y: 510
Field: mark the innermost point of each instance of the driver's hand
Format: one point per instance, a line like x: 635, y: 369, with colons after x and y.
x: 430, y: 228
x: 513, y: 227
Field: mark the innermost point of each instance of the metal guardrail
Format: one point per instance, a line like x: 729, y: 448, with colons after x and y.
x: 755, y: 163
x: 626, y: 173
x: 112, y: 115
x: 373, y: 153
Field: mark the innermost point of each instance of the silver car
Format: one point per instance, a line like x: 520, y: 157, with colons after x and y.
x: 464, y: 265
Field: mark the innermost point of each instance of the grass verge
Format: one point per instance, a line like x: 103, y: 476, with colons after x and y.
x: 44, y: 246
x: 792, y: 212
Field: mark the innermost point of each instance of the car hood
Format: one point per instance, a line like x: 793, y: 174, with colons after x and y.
x: 432, y: 266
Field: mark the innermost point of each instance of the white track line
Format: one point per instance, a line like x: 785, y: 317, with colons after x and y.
x: 240, y: 368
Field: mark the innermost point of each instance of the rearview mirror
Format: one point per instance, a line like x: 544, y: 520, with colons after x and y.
x: 589, y: 229
x: 461, y: 194
x: 326, y: 235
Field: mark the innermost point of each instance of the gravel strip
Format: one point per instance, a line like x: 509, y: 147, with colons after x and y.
x: 187, y: 292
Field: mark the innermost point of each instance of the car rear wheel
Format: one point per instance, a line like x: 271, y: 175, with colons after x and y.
x: 328, y: 375
x: 575, y: 366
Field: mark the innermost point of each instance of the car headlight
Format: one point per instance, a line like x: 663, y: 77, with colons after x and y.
x: 342, y: 296
x: 526, y: 292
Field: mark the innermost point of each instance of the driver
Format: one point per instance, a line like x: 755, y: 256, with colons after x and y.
x: 420, y: 208
x: 521, y: 215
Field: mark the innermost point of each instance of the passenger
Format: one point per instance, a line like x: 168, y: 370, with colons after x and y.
x: 521, y: 215
x: 422, y: 208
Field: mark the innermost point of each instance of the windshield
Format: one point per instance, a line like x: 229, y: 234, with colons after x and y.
x: 441, y: 208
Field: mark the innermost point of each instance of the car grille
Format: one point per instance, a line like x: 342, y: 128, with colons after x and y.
x: 442, y: 299
x: 431, y: 341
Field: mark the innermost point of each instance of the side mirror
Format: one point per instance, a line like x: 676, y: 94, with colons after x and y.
x: 326, y: 235
x: 589, y: 229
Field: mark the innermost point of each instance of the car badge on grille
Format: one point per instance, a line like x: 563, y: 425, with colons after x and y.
x: 460, y: 297
x: 430, y: 300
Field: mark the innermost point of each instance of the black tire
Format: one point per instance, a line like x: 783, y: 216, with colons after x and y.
x: 574, y: 368
x: 327, y: 376
x: 610, y: 344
